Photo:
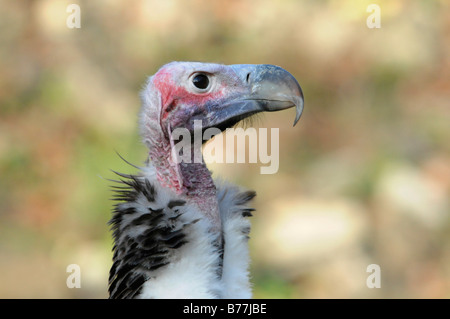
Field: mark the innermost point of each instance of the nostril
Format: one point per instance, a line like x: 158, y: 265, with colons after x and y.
x: 248, y: 77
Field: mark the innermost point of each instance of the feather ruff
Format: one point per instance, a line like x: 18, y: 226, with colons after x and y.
x: 163, y: 247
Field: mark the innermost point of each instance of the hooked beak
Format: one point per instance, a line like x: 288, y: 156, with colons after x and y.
x: 267, y: 88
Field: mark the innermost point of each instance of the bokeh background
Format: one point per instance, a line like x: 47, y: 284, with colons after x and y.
x: 364, y: 177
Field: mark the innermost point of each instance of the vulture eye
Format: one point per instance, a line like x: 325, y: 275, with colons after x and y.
x: 200, y: 81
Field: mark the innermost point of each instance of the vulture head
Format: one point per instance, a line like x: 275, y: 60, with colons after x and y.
x: 183, y: 93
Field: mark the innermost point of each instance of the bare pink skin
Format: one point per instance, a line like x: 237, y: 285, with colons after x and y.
x: 192, y: 180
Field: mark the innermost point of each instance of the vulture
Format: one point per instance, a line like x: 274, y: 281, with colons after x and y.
x: 177, y: 233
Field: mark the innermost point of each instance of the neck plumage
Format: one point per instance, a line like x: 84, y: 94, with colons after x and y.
x: 191, y: 180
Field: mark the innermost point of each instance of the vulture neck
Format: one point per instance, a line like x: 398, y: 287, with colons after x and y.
x: 191, y: 180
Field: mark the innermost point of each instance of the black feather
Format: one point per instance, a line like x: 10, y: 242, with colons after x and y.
x: 155, y: 233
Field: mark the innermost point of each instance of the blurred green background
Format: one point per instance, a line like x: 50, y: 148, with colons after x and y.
x: 364, y: 177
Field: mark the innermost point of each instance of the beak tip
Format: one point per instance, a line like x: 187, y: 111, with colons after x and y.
x: 296, y: 121
x: 298, y: 109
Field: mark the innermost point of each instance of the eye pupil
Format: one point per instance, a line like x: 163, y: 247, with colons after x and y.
x: 200, y: 81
